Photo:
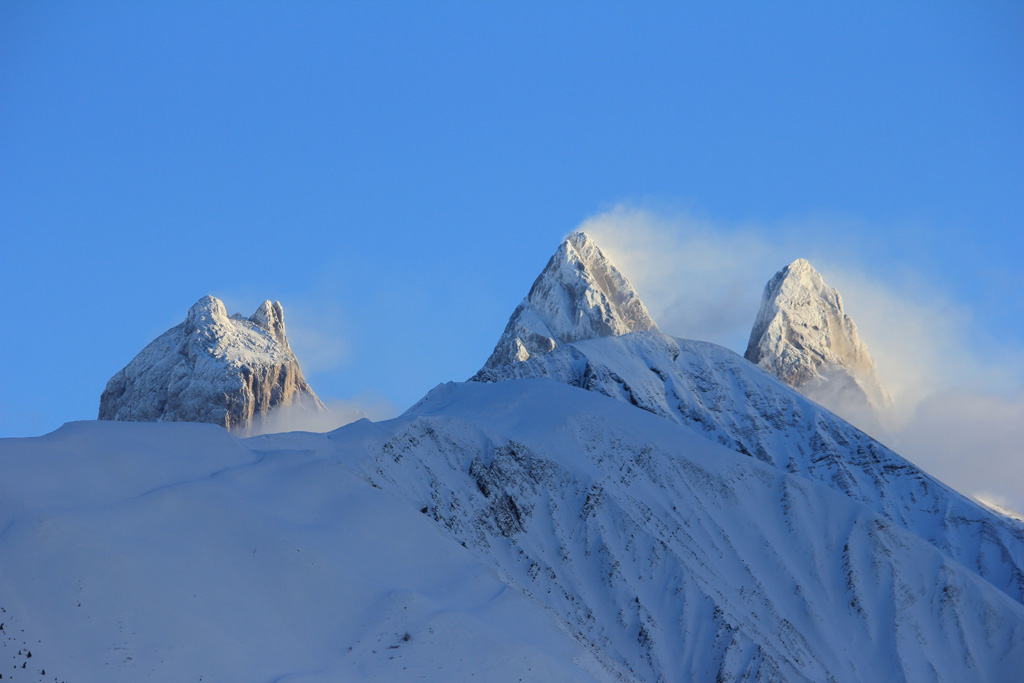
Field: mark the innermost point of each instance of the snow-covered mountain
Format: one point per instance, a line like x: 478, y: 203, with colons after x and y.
x: 674, y: 558
x: 737, y: 405
x: 578, y: 295
x: 803, y: 336
x: 621, y: 506
x: 211, y: 368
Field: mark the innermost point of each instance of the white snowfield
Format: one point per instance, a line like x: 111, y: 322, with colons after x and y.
x: 176, y: 552
x: 578, y: 295
x: 803, y: 336
x: 211, y: 368
x: 601, y: 542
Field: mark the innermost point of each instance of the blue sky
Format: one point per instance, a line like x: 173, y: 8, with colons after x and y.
x: 397, y: 174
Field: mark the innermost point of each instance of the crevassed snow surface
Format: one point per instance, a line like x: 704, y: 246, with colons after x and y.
x: 601, y: 541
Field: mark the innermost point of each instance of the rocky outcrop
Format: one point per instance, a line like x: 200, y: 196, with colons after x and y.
x: 578, y: 295
x: 215, y: 368
x: 803, y: 336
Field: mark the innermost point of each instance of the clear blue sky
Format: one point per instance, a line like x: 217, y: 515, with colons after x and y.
x: 397, y: 174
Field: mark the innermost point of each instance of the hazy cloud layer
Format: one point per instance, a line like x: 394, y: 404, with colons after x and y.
x: 337, y: 413
x: 972, y: 442
x: 959, y: 402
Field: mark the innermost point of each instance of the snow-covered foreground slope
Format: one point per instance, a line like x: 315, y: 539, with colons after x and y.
x: 600, y: 540
x: 593, y: 530
x: 675, y: 558
x: 172, y: 552
x: 727, y: 400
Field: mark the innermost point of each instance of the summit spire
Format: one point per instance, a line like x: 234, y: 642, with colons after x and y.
x: 579, y: 295
x: 803, y: 336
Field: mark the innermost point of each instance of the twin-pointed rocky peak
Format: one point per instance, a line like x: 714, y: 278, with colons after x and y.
x: 579, y: 295
x: 226, y: 370
x: 803, y: 336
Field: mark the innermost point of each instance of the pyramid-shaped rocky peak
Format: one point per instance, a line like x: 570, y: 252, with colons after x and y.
x: 225, y: 370
x: 270, y: 316
x: 579, y: 295
x: 803, y: 336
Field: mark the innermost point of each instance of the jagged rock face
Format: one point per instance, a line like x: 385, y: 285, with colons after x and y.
x: 803, y: 337
x: 578, y: 295
x: 211, y: 368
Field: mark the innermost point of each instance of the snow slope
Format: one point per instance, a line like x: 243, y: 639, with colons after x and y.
x: 174, y: 552
x: 725, y: 399
x: 211, y: 368
x: 578, y: 295
x: 601, y: 541
x: 675, y: 558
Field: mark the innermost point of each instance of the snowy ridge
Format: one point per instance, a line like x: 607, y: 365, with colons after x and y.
x: 674, y: 558
x: 803, y: 336
x: 578, y: 295
x: 211, y: 368
x: 722, y: 397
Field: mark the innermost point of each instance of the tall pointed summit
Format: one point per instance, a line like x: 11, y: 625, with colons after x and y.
x: 803, y: 336
x: 227, y: 370
x: 579, y: 295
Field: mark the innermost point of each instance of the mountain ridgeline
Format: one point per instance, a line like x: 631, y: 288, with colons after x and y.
x: 600, y: 502
x: 804, y: 339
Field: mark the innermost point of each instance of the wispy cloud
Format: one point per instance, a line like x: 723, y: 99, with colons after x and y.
x: 958, y: 404
x: 318, y: 334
